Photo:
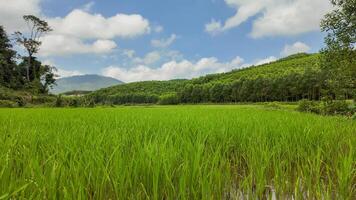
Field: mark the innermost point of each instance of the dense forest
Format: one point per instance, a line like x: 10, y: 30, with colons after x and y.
x: 293, y: 78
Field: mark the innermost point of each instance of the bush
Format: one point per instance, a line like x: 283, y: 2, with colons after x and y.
x: 273, y: 105
x: 168, y: 99
x: 43, y: 99
x: 353, y: 117
x: 327, y: 107
x: 7, y: 104
x: 59, y: 101
x: 308, y: 106
x: 74, y: 102
x: 335, y: 108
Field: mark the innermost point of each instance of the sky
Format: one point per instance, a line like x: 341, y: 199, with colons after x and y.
x: 138, y: 40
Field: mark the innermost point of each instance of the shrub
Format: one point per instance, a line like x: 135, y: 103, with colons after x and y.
x: 21, y: 102
x: 335, y: 108
x: 308, y: 106
x: 7, y: 104
x: 43, y: 99
x: 353, y: 117
x: 74, y: 102
x: 273, y: 105
x: 59, y: 101
x: 168, y: 99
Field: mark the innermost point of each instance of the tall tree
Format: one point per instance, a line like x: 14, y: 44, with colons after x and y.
x: 7, y: 61
x: 32, y: 43
x: 339, y: 57
x: 45, y: 74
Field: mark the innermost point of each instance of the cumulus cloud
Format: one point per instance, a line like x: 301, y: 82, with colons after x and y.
x: 129, y: 53
x: 158, y: 29
x: 214, y: 27
x: 149, y: 58
x: 61, y: 73
x: 71, y: 33
x: 276, y: 17
x: 11, y: 12
x: 79, y: 32
x: 298, y: 47
x: 152, y: 57
x: 172, y: 70
x: 265, y: 60
x: 82, y: 24
x: 63, y: 45
x: 163, y: 43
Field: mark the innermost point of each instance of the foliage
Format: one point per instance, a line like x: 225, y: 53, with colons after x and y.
x: 354, y: 116
x: 30, y: 74
x: 59, y: 101
x: 334, y: 107
x: 9, y: 77
x: 37, y: 28
x: 327, y: 107
x: 7, y: 104
x: 308, y: 106
x: 139, y: 92
x: 168, y: 99
x: 273, y: 105
x: 294, y: 78
x: 179, y: 152
x: 339, y: 57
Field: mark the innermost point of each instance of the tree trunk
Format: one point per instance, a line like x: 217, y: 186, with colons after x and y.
x: 28, y: 67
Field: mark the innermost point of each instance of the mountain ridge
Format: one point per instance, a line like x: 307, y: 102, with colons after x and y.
x: 88, y: 82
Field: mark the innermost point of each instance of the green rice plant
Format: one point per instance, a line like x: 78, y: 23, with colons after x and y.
x: 175, y: 152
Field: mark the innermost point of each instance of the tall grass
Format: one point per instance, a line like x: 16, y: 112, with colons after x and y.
x: 181, y: 152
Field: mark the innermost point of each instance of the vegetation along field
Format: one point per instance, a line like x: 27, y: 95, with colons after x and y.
x: 175, y: 152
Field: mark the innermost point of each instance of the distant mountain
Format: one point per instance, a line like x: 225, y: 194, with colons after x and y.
x: 83, y: 83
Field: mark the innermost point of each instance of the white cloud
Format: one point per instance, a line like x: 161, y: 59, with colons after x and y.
x: 82, y: 24
x: 64, y: 45
x: 163, y: 43
x: 129, y: 53
x: 152, y: 57
x: 79, y: 32
x: 67, y: 73
x: 214, y: 27
x: 265, y: 60
x: 276, y: 17
x: 89, y: 6
x: 298, y: 47
x: 12, y: 11
x: 61, y: 73
x: 71, y: 33
x: 158, y: 29
x: 172, y: 70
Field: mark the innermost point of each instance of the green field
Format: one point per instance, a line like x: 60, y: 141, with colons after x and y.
x: 179, y: 152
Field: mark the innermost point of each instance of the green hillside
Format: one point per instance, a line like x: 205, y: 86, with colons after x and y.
x: 145, y: 87
x: 297, y: 63
x: 288, y: 79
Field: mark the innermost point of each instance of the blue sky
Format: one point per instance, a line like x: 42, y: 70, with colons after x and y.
x: 136, y: 40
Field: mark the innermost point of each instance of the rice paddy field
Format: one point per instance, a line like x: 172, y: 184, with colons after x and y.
x: 177, y: 152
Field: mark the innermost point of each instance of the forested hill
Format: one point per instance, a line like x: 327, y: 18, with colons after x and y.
x: 288, y: 79
x: 294, y: 64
